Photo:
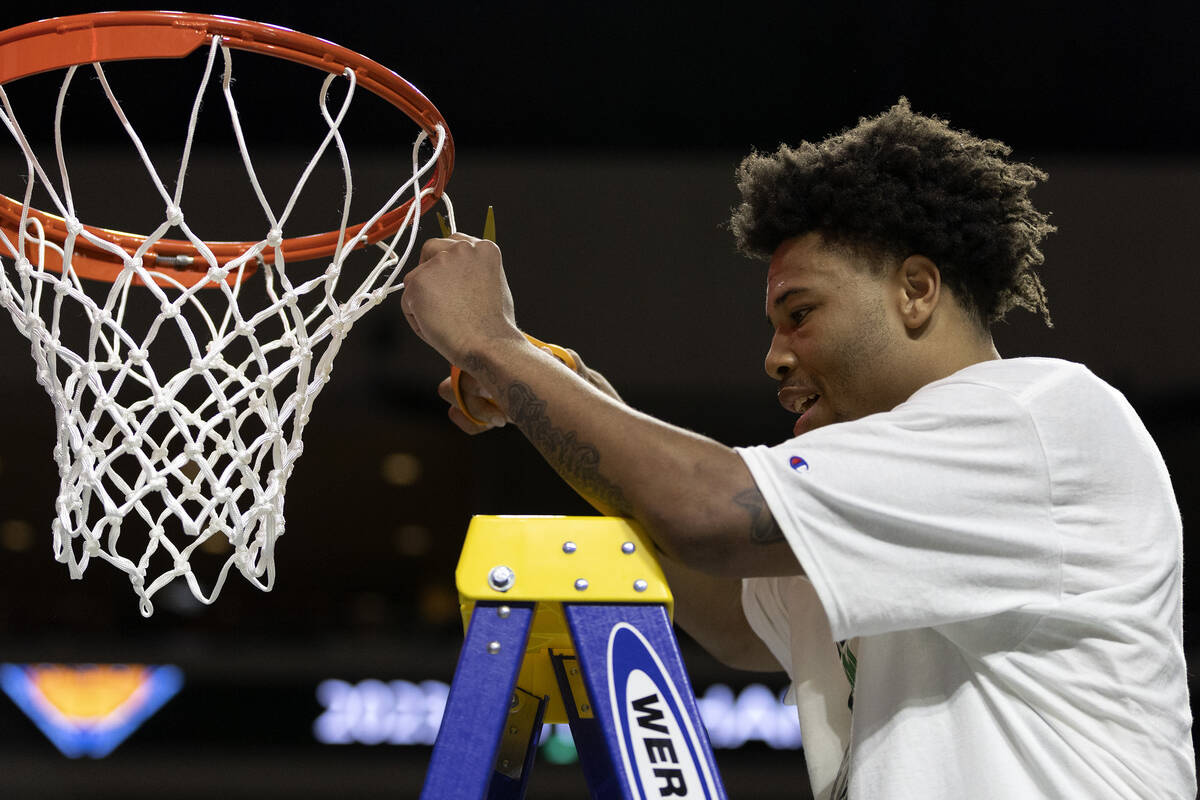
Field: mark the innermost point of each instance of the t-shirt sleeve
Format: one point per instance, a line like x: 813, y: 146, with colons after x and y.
x: 935, y: 512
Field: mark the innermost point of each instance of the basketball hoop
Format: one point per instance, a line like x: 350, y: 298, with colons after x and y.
x: 196, y: 450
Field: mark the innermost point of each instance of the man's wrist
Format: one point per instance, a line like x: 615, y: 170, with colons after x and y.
x: 489, y: 360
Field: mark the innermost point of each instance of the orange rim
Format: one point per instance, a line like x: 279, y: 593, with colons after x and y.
x: 63, y: 42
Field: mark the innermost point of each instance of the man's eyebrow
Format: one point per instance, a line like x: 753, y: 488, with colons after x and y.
x: 794, y: 290
x: 783, y: 298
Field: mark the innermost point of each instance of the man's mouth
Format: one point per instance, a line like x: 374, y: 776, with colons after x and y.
x: 802, y: 404
x: 798, y: 401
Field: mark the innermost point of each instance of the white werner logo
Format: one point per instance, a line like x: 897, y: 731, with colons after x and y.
x: 660, y: 748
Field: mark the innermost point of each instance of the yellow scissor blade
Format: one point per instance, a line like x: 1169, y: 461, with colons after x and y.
x: 445, y: 226
x: 489, y: 225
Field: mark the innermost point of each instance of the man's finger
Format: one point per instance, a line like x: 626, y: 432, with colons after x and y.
x: 438, y: 245
x: 465, y: 425
x: 479, y: 403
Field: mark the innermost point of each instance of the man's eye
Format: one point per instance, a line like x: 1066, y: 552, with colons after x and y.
x: 797, y: 316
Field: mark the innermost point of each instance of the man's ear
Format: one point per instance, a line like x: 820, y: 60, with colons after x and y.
x: 920, y: 287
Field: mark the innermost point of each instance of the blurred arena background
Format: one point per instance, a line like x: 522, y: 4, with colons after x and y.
x: 606, y: 137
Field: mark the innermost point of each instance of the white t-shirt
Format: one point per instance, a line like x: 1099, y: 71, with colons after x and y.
x: 1007, y: 550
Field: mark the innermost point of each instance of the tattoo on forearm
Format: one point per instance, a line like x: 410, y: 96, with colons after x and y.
x: 763, y: 527
x: 577, y: 462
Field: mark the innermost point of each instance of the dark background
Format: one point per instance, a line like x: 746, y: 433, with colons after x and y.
x: 606, y: 137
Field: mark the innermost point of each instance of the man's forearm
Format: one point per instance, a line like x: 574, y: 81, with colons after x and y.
x: 694, y: 496
x: 578, y: 462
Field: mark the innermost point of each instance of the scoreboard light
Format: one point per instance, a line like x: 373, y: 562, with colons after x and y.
x: 89, y: 709
x: 409, y: 713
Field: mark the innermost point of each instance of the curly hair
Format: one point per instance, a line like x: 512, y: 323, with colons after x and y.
x: 902, y: 183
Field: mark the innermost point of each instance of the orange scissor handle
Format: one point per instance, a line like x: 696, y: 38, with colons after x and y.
x: 456, y: 374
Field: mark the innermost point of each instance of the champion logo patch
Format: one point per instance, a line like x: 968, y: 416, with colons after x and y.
x: 797, y: 463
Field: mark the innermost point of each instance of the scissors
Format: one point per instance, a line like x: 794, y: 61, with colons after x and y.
x: 489, y: 233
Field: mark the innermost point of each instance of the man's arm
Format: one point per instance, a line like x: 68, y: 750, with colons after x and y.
x: 695, y: 497
x: 707, y: 607
x: 710, y: 610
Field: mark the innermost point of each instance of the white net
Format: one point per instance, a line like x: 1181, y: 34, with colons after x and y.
x: 181, y: 408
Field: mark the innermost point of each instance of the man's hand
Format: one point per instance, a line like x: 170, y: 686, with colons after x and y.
x: 457, y: 298
x: 480, y: 403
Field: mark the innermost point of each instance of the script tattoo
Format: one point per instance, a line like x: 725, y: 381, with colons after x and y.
x: 577, y: 462
x: 763, y: 527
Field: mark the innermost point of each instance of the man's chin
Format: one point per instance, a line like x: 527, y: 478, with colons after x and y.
x: 809, y: 420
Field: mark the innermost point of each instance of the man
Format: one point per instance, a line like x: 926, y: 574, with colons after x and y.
x: 970, y: 567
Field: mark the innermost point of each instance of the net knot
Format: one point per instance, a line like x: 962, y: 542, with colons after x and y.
x: 274, y: 237
x: 218, y: 274
x: 91, y: 547
x: 175, y: 215
x: 74, y: 226
x: 138, y: 356
x: 339, y: 325
x: 24, y: 268
x: 169, y: 310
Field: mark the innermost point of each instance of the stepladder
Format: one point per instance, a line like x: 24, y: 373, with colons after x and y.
x: 568, y: 620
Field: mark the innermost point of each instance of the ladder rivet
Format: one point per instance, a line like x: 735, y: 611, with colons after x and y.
x: 581, y: 584
x: 493, y: 647
x: 503, y: 611
x: 501, y: 578
x: 639, y: 586
x: 628, y: 547
x: 569, y: 547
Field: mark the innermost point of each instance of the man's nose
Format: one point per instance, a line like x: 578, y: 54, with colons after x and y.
x: 780, y: 360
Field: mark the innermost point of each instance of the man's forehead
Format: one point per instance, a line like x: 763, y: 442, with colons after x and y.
x: 798, y: 262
